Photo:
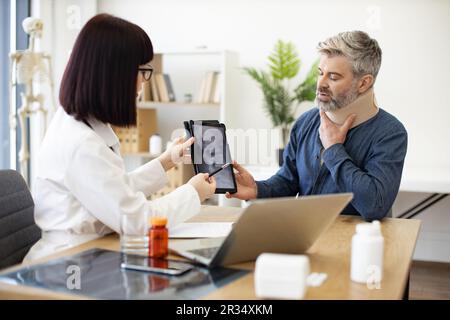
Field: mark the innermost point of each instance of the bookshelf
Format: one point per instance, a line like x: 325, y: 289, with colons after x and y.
x: 134, y: 140
x: 187, y: 70
x: 152, y: 104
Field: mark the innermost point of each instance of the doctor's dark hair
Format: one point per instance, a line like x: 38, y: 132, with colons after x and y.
x: 101, y: 75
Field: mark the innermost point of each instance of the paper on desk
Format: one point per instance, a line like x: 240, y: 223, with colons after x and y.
x: 200, y: 230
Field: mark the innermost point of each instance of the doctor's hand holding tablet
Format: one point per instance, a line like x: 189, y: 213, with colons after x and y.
x: 178, y: 150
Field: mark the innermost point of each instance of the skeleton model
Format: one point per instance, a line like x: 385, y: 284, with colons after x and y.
x: 30, y: 68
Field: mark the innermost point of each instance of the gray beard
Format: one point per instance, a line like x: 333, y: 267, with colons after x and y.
x: 339, y: 102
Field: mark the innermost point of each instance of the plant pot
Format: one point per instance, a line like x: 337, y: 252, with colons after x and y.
x: 280, y: 156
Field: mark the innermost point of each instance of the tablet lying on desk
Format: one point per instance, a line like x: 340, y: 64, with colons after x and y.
x: 210, y: 151
x: 161, y: 266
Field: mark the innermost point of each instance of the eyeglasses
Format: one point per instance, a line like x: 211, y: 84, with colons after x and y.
x: 147, y: 71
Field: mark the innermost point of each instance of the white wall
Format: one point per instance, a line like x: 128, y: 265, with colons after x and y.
x: 413, y: 34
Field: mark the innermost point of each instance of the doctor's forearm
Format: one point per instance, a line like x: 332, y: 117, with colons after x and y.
x: 167, y: 164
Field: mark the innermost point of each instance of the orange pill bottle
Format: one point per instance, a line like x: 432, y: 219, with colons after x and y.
x: 158, y: 238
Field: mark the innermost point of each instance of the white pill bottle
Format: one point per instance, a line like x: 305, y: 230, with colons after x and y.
x: 155, y: 145
x: 367, y: 254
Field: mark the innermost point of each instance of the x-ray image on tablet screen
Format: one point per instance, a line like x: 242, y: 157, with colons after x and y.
x: 210, y: 152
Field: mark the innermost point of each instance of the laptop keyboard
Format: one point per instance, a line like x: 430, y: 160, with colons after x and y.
x: 205, y: 252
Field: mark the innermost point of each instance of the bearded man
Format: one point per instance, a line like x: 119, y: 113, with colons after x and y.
x: 347, y: 143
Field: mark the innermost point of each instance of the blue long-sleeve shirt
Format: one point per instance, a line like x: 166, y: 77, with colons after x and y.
x: 369, y: 164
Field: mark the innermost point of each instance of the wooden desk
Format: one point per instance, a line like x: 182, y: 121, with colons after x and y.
x: 330, y: 254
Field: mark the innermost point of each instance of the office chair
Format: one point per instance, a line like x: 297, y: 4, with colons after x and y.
x: 18, y: 230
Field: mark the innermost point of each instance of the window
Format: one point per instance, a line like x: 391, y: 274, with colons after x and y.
x: 12, y: 13
x: 4, y: 104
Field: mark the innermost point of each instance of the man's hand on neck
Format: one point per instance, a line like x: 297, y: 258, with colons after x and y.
x: 331, y: 133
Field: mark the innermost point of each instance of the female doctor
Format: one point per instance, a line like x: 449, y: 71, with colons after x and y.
x: 81, y: 187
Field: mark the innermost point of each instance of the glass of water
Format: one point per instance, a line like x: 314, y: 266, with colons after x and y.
x: 134, y: 233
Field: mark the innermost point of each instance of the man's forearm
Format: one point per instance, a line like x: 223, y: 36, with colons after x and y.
x: 276, y: 186
x: 373, y: 193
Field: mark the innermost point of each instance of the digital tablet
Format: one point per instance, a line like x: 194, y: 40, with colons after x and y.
x: 162, y: 266
x: 210, y: 151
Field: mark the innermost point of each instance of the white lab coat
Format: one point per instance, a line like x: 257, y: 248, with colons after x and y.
x: 81, y: 187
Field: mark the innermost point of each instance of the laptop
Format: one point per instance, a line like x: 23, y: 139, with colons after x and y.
x: 277, y: 225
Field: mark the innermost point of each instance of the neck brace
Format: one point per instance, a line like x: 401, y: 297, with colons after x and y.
x: 364, y: 107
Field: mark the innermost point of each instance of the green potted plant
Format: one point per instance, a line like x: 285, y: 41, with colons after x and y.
x: 280, y: 98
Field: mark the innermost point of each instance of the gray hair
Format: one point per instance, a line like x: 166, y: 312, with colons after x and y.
x: 363, y: 52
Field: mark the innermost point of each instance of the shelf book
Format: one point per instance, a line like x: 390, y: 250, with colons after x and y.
x: 158, y: 89
x: 210, y: 88
x: 135, y: 139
